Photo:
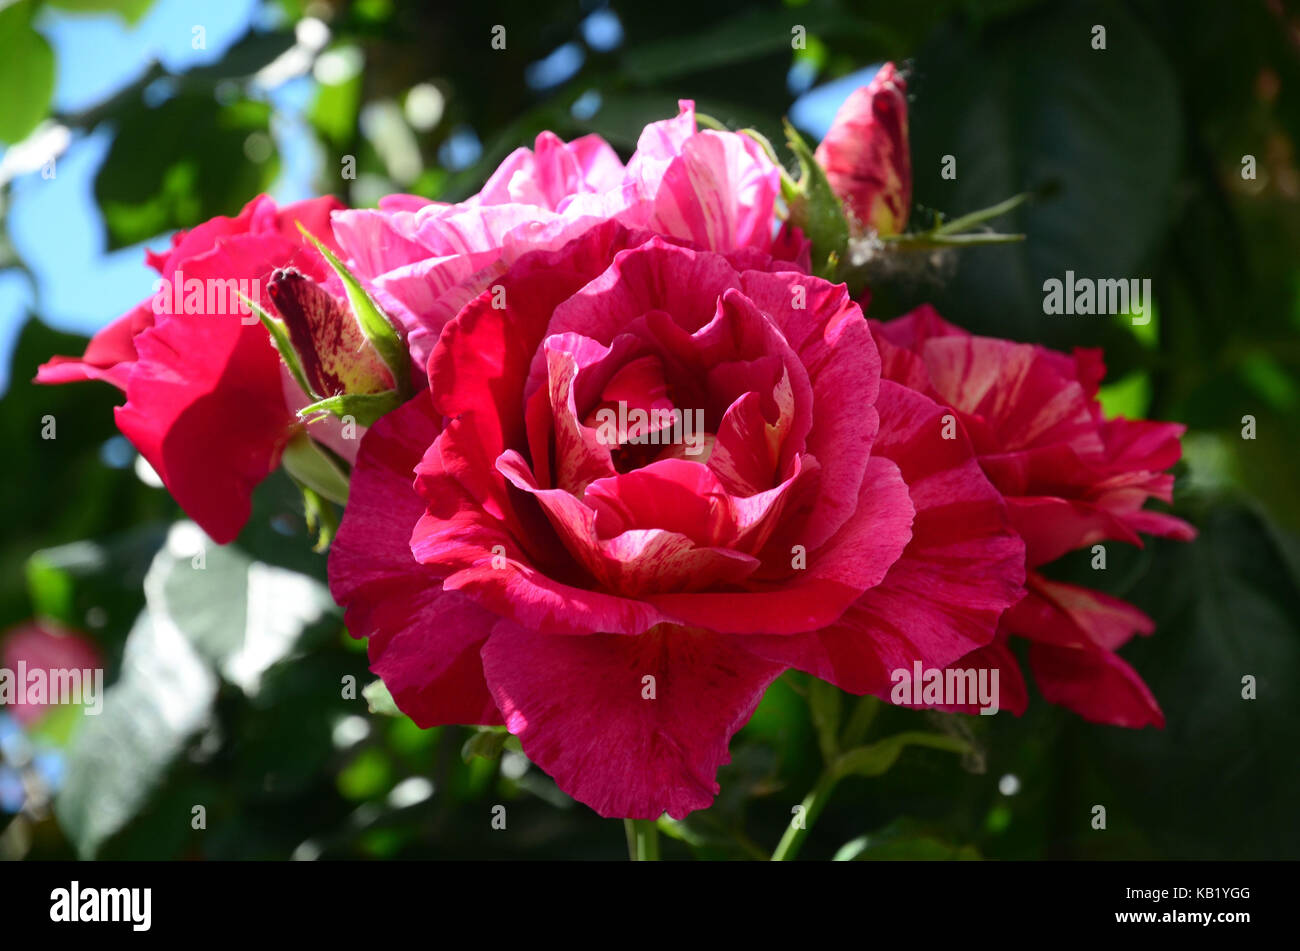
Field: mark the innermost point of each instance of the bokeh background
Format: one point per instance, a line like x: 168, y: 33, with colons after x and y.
x: 229, y: 686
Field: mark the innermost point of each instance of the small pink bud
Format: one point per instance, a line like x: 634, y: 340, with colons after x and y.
x: 866, y: 157
x: 46, y: 647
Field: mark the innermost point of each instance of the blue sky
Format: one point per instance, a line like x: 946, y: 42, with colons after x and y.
x: 55, y: 225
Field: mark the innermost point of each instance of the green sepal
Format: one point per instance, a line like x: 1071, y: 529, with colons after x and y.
x: 957, y: 232
x: 311, y: 466
x: 322, y: 519
x: 816, y: 209
x: 487, y: 743
x: 379, y: 700
x: 365, y: 408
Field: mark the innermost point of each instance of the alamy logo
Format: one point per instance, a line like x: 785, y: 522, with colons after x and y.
x: 214, y: 296
x: 657, y: 426
x: 1085, y: 296
x: 134, y: 905
x: 39, y: 686
x: 950, y: 687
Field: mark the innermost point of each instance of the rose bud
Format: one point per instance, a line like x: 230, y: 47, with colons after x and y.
x: 866, y: 158
x: 336, y: 356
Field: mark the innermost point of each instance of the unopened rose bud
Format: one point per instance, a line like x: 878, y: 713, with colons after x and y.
x: 866, y: 157
x: 336, y: 356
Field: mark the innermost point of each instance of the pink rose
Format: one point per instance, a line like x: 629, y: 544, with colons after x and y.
x: 209, y: 402
x: 1071, y: 479
x: 528, y: 543
x: 428, y: 259
x: 866, y: 155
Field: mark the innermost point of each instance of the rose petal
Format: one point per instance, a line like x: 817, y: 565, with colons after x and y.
x: 579, y: 707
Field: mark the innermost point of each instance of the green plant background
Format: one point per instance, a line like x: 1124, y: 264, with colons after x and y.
x: 1139, y: 150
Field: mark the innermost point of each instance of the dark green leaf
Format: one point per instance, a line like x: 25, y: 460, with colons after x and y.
x: 180, y: 164
x: 121, y: 755
x: 26, y: 72
x: 878, y: 757
x: 240, y: 614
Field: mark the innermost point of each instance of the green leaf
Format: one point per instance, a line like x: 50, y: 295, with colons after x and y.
x: 379, y: 700
x: 375, y: 324
x: 365, y: 408
x: 240, y: 614
x: 825, y: 704
x: 26, y: 72
x: 334, y: 113
x: 94, y: 585
x: 1226, y: 607
x: 368, y: 775
x: 816, y: 209
x: 321, y: 518
x: 312, y: 467
x: 129, y: 10
x: 679, y: 830
x: 487, y: 743
x: 905, y: 841
x: 120, y: 757
x: 244, y: 60
x: 746, y: 37
x: 47, y: 473
x: 1046, y: 113
x: 151, y: 183
x: 51, y: 589
x: 877, y: 758
x: 1129, y: 397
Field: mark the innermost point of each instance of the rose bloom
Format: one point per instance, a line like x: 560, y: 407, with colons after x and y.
x: 428, y: 259
x: 209, y: 402
x: 1071, y: 479
x: 621, y: 607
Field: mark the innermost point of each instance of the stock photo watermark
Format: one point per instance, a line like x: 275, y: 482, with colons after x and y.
x: 953, y: 687
x: 41, y: 686
x: 657, y: 426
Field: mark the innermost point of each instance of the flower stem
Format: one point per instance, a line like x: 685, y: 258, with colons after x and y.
x: 859, y: 722
x: 966, y: 222
x: 929, y: 240
x: 958, y: 231
x: 642, y: 840
x: 797, y: 831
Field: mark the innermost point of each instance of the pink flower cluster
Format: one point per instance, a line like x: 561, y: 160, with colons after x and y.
x: 863, y: 496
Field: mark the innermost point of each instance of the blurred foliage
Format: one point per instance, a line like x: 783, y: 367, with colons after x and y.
x: 243, y: 694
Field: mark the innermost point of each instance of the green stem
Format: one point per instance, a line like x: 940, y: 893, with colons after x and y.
x: 813, y: 803
x: 928, y: 240
x: 855, y: 731
x: 642, y: 840
x: 706, y: 121
x: 965, y: 222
